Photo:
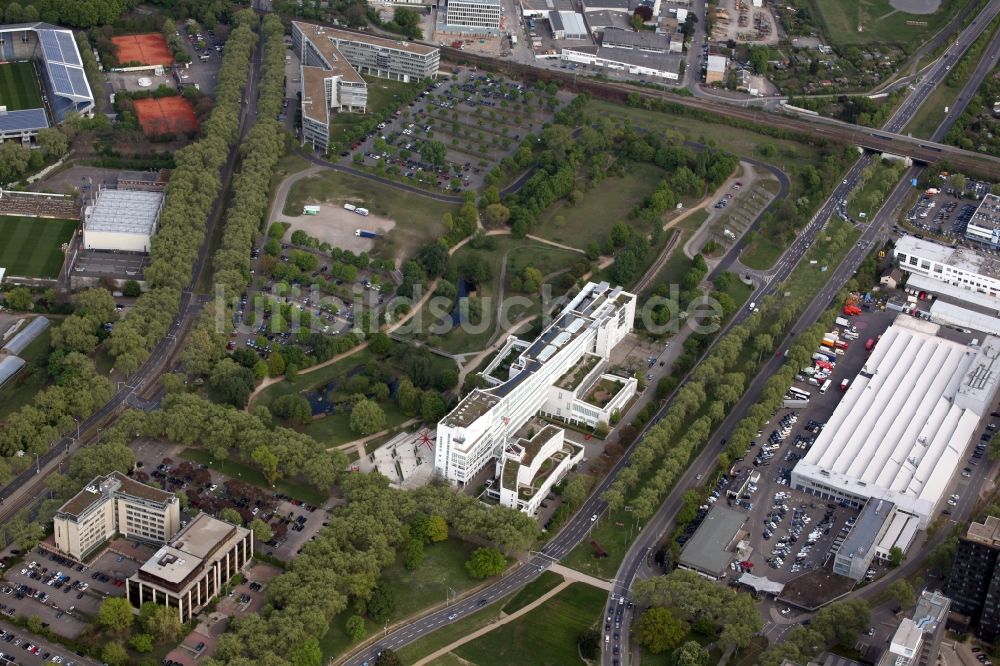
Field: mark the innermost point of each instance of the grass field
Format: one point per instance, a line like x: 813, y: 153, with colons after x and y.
x: 532, y: 591
x: 419, y: 220
x: 610, y: 201
x: 880, y: 23
x: 761, y: 253
x: 32, y: 246
x: 443, y: 567
x: 18, y: 87
x: 547, y: 636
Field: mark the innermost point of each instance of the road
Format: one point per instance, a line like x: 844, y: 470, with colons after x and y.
x: 30, y: 484
x: 875, y: 233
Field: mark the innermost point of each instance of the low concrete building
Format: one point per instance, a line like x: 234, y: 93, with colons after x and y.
x: 638, y: 63
x: 114, y: 505
x: 717, y: 67
x: 191, y: 570
x: 713, y: 546
x: 122, y: 220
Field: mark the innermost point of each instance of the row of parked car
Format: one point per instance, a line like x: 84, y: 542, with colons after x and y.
x: 11, y: 637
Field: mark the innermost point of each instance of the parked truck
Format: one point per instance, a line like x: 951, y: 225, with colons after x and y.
x: 844, y: 384
x: 365, y: 234
x: 840, y: 344
x: 361, y: 211
x: 310, y: 210
x: 351, y: 207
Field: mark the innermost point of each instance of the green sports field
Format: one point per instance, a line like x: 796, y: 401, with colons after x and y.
x: 19, y: 87
x: 32, y: 246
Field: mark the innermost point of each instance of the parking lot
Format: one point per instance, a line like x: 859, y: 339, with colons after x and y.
x: 17, y: 646
x: 292, y: 521
x: 479, y: 119
x: 51, y: 588
x: 946, y: 211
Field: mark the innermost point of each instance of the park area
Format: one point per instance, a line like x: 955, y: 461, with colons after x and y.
x: 19, y: 87
x: 880, y: 22
x: 32, y: 246
x: 146, y: 49
x: 166, y: 115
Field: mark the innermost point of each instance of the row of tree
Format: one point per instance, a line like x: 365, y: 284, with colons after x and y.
x: 194, y: 186
x: 76, y: 13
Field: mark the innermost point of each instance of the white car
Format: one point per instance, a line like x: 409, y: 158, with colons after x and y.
x: 786, y: 610
x: 593, y: 518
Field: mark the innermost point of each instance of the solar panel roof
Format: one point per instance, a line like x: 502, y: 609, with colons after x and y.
x: 63, y: 63
x: 25, y: 120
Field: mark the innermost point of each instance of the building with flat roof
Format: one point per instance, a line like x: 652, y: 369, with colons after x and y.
x: 121, y: 220
x: 191, y: 570
x: 634, y: 61
x: 530, y: 466
x: 568, y: 25
x: 716, y: 70
x: 855, y: 555
x: 541, y: 8
x: 917, y: 641
x: 114, y: 505
x: 602, y: 19
x: 480, y: 428
x: 475, y: 15
x: 960, y: 267
x: 984, y: 226
x: 376, y: 56
x: 712, y: 547
x: 935, y: 391
x: 643, y: 40
x: 974, y: 580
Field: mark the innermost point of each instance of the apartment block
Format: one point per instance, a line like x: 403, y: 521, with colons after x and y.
x: 191, y: 570
x: 114, y: 505
x: 475, y: 14
x: 974, y: 582
x: 917, y: 641
x: 560, y: 374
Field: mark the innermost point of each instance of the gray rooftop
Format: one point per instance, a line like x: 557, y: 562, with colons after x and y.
x: 9, y: 366
x: 614, y: 5
x: 601, y: 19
x: 26, y: 120
x: 865, y: 533
x: 708, y: 550
x: 644, y: 39
x: 125, y: 211
x: 26, y: 336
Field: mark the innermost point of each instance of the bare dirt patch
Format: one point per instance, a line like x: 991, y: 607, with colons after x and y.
x: 336, y: 225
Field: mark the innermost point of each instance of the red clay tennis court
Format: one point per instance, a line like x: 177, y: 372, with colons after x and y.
x: 149, y: 49
x: 166, y: 115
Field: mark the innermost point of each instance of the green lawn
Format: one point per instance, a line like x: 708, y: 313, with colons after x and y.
x: 693, y: 221
x: 614, y: 533
x: 443, y: 567
x: 32, y: 378
x: 449, y: 633
x: 607, y: 203
x: 738, y: 291
x: 761, y: 253
x: 418, y: 218
x: 532, y: 591
x: 547, y: 636
x: 880, y: 23
x: 238, y: 470
x: 335, y: 429
x: 675, y: 266
x: 32, y: 246
x: 18, y: 87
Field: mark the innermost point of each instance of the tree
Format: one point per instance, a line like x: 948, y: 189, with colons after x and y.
x: 52, y: 143
x: 413, y: 553
x: 276, y: 364
x: 141, y: 643
x: 901, y: 592
x: 379, y: 343
x: 19, y: 298
x: 231, y: 515
x: 589, y: 643
x: 658, y: 630
x: 381, y: 603
x: 388, y: 658
x: 267, y: 461
x: 437, y: 529
x: 114, y: 654
x: 115, y: 614
x: 895, y: 556
x: 355, y: 627
x: 34, y: 624
x: 434, y: 152
x: 576, y: 491
x: 495, y: 215
x: 486, y: 563
x: 161, y: 622
x: 432, y: 407
x: 306, y: 653
x: 293, y: 407
x: 131, y: 289
x: 691, y: 654
x: 367, y: 417
x: 758, y: 58
x: 261, y: 530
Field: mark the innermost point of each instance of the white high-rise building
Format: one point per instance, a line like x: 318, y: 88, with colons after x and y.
x: 478, y: 14
x: 560, y: 374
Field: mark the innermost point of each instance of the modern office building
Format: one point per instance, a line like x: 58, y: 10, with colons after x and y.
x: 531, y: 466
x: 959, y: 267
x: 115, y: 505
x: 974, y: 581
x: 487, y: 421
x: 936, y: 390
x: 984, y: 227
x: 368, y: 54
x: 479, y: 15
x: 917, y: 641
x: 122, y: 220
x: 855, y: 555
x: 192, y: 569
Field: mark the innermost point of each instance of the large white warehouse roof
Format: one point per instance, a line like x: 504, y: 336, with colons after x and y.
x: 124, y: 212
x: 901, y: 430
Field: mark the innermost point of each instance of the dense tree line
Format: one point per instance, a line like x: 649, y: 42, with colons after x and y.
x: 193, y: 187
x: 75, y: 13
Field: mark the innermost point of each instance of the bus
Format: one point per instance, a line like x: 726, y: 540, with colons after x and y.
x: 825, y: 386
x: 799, y: 392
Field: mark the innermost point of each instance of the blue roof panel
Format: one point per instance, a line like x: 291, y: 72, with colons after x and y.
x: 78, y: 80
x: 68, y: 47
x: 28, y: 119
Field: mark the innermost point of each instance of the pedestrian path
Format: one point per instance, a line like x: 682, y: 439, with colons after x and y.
x: 580, y: 577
